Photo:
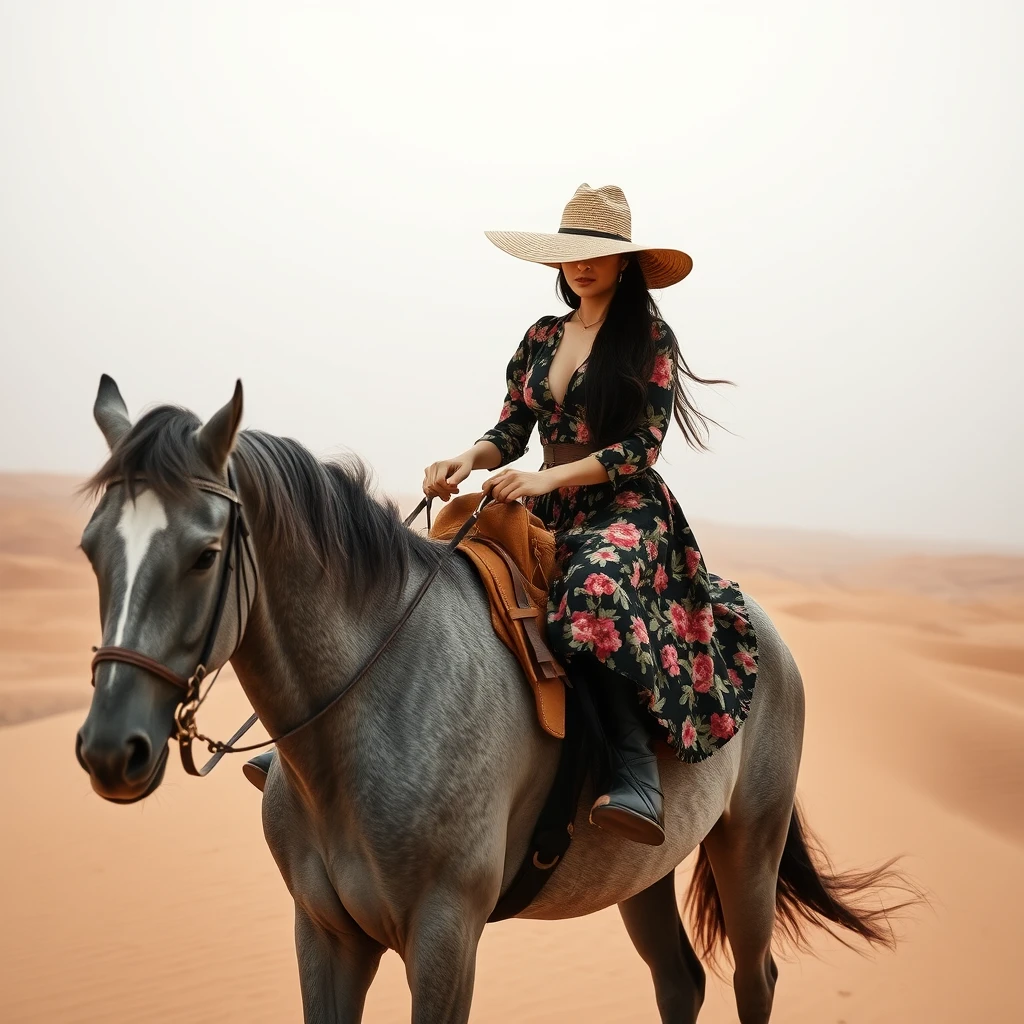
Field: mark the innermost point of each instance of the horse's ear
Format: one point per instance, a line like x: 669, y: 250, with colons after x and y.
x: 110, y: 411
x: 217, y: 437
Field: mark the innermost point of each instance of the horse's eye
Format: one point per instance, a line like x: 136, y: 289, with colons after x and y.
x: 206, y: 560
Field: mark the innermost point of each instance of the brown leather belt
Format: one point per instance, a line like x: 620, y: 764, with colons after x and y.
x: 564, y: 452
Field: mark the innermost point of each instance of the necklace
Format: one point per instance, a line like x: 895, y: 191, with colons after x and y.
x: 587, y: 327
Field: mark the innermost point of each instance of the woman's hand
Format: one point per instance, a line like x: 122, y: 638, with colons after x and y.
x: 442, y: 479
x: 510, y: 484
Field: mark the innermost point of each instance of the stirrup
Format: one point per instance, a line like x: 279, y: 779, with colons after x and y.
x: 257, y: 769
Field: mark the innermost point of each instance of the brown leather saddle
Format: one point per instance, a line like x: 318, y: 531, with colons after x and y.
x: 514, y: 555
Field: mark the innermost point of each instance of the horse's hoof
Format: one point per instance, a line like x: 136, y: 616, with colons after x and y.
x: 621, y: 821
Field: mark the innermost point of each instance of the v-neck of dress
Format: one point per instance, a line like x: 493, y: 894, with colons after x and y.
x: 556, y: 341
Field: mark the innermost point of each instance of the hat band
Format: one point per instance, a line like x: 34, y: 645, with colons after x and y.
x: 592, y: 234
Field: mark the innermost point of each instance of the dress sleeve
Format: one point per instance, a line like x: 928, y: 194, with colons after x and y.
x: 642, y: 448
x: 510, y: 434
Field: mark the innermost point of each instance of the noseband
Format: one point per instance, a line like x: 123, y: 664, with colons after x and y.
x: 238, y: 543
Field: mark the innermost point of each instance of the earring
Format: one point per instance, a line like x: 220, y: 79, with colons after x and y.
x: 621, y: 272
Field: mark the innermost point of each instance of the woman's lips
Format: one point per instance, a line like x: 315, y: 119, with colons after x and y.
x: 584, y: 280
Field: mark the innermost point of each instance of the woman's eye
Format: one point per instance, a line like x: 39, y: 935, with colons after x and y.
x: 206, y: 559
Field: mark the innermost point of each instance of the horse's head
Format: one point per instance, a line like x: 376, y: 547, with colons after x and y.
x: 158, y: 544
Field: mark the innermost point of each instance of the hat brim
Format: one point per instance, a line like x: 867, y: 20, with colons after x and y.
x: 661, y: 267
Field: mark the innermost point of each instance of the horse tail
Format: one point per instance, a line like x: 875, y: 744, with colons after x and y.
x: 809, y: 893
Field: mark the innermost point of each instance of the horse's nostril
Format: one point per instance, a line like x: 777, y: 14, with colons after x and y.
x: 139, y: 752
x: 78, y: 750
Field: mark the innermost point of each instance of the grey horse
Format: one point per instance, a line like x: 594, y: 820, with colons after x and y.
x: 399, y: 818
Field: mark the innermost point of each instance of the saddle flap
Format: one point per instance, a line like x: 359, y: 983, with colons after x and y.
x: 513, y: 554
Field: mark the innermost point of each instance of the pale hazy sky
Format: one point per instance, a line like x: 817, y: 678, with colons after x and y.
x: 295, y: 194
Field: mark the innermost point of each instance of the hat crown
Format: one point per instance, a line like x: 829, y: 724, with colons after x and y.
x: 602, y: 211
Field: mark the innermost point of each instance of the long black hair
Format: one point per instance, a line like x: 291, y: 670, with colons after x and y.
x: 622, y: 360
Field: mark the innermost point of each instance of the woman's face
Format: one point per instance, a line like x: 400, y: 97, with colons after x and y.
x: 594, y: 278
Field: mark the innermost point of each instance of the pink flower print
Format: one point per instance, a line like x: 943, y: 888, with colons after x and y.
x: 622, y: 535
x: 634, y: 579
x: 692, y: 561
x: 722, y: 726
x: 579, y: 519
x: 652, y: 456
x: 701, y: 626
x: 734, y: 678
x: 680, y: 619
x: 604, y: 555
x: 702, y: 672
x: 582, y: 432
x: 662, y: 373
x: 640, y: 630
x: 660, y: 579
x: 721, y: 611
x: 628, y: 499
x: 514, y: 393
x: 600, y: 633
x: 626, y: 469
x: 740, y: 624
x: 689, y: 733
x: 528, y: 396
x: 561, y: 608
x: 656, y: 433
x: 670, y: 660
x: 553, y: 419
x: 696, y: 626
x: 652, y: 550
x: 597, y: 583
x: 745, y: 660
x: 506, y: 411
x: 660, y: 525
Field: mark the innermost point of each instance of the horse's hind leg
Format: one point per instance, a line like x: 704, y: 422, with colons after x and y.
x: 652, y: 921
x: 745, y: 848
x: 335, y: 970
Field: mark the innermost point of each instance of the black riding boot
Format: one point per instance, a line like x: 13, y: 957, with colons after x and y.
x: 257, y: 768
x: 632, y: 806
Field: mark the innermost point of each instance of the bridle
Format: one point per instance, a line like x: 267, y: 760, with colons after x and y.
x: 238, y: 545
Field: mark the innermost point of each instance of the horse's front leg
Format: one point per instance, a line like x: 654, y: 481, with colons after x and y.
x: 335, y: 969
x: 440, y: 955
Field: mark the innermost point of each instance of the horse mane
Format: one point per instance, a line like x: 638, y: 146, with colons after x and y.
x: 324, y: 507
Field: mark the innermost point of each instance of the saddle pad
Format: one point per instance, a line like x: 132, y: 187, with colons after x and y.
x: 513, y: 554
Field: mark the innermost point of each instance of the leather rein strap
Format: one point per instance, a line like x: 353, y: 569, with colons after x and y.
x: 238, y: 541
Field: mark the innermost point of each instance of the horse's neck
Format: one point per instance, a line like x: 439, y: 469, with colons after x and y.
x: 303, y: 643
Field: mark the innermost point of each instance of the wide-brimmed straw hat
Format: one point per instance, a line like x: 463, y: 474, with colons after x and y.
x: 595, y: 222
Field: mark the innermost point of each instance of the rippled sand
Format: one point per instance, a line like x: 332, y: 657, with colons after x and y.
x: 173, y: 910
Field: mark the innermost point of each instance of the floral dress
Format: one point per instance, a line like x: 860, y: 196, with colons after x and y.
x: 631, y: 587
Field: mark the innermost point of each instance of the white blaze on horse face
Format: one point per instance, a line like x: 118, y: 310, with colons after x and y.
x: 140, y: 521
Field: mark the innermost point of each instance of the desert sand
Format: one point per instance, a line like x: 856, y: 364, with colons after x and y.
x: 173, y: 910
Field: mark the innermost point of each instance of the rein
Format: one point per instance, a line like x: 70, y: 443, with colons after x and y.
x: 238, y: 545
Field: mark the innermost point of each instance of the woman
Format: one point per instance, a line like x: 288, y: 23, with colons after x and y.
x: 634, y: 612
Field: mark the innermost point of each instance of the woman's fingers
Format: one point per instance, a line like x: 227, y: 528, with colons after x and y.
x: 442, y: 479
x: 504, y: 484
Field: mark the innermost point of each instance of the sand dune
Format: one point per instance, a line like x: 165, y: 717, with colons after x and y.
x: 173, y: 910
